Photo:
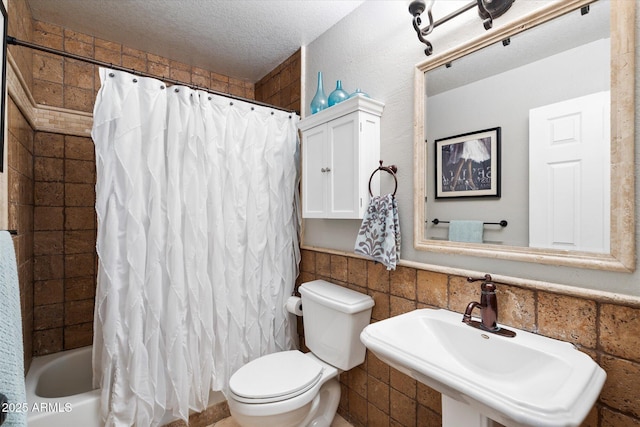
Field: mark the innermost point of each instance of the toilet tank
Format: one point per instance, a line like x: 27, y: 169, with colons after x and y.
x: 333, y: 318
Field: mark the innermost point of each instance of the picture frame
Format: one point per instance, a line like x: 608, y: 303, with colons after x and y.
x: 468, y: 165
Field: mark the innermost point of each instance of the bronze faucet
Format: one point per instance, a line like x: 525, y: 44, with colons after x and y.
x: 488, y: 306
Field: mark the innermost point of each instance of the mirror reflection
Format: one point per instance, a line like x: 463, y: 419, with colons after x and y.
x: 547, y: 91
x: 559, y: 97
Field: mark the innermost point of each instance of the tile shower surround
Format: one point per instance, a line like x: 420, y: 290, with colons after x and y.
x: 51, y: 175
x: 375, y: 394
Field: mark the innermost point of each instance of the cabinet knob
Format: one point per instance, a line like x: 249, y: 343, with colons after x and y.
x: 328, y: 169
x: 323, y: 170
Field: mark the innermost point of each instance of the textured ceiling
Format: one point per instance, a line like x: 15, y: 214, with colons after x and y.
x: 245, y: 39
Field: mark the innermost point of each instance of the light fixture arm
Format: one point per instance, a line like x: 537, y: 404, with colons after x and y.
x: 487, y: 9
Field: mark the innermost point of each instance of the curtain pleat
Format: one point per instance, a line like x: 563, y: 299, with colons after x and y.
x: 198, y: 223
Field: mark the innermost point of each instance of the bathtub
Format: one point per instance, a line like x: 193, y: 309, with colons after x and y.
x: 60, y: 392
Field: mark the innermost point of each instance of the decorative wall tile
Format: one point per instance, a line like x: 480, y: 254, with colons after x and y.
x: 48, y: 169
x: 48, y: 145
x: 378, y: 394
x: 308, y: 261
x: 619, y: 331
x: 48, y: 292
x: 567, y: 318
x: 78, y: 74
x: 622, y: 388
x: 47, y: 242
x: 79, y: 335
x: 79, y: 171
x: 48, y: 68
x: 339, y: 268
x: 78, y: 311
x: 323, y: 264
x: 402, y: 408
x: 48, y: 193
x: 403, y: 383
x: 357, y: 271
x: 79, y: 218
x: 516, y: 307
x: 48, y: 316
x: 47, y: 341
x: 461, y: 293
x: 431, y: 288
x: 79, y: 288
x: 377, y: 277
x: 403, y: 282
x: 47, y: 218
x: 48, y: 93
x: 79, y: 148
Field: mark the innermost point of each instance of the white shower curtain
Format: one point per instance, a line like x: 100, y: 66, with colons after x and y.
x: 196, y: 198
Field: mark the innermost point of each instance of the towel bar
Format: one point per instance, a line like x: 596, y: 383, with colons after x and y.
x: 502, y: 223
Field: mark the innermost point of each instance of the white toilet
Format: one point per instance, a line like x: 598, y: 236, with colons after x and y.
x: 295, y: 389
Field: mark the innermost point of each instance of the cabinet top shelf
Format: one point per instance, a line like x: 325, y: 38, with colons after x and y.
x: 357, y: 103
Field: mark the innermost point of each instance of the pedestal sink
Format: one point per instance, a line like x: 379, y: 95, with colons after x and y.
x: 527, y: 380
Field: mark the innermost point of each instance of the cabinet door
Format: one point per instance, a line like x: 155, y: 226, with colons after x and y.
x: 314, y: 165
x: 344, y: 177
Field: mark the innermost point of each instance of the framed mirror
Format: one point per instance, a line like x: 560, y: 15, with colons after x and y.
x: 610, y: 62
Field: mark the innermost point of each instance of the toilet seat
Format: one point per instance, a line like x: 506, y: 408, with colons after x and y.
x: 275, y: 377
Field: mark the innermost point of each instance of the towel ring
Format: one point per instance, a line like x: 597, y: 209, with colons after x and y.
x: 392, y: 169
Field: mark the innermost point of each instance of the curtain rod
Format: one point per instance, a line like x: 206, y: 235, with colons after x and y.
x: 17, y: 42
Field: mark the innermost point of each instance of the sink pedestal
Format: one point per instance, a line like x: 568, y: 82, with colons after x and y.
x: 456, y: 414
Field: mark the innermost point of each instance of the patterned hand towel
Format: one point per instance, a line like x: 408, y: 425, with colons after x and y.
x: 11, y: 351
x: 379, y: 235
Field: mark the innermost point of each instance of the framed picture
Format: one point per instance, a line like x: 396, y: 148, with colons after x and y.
x: 468, y: 165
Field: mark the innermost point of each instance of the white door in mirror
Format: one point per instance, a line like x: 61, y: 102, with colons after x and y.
x: 569, y: 191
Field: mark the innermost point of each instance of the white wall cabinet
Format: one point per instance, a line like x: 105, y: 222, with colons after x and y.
x: 340, y: 150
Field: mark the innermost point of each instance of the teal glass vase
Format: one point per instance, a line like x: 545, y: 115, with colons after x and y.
x: 319, y: 101
x: 358, y: 92
x: 337, y: 95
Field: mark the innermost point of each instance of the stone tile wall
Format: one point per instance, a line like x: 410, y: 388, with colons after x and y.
x: 64, y: 242
x: 20, y: 173
x: 375, y: 394
x: 72, y: 84
x: 281, y: 87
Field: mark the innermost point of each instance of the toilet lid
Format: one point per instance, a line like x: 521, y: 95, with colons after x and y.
x: 275, y: 377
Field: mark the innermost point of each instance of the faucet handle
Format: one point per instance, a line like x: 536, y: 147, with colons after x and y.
x: 486, y: 278
x: 487, y: 284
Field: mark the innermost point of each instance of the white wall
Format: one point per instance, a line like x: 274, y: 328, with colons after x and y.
x: 375, y: 49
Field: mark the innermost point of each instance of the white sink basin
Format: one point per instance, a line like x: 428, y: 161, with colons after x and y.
x: 527, y: 380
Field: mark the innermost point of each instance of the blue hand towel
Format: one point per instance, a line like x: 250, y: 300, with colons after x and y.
x: 466, y: 231
x: 11, y: 351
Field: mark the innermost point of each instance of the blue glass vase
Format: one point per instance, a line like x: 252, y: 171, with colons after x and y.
x: 337, y: 95
x: 358, y: 92
x: 319, y: 101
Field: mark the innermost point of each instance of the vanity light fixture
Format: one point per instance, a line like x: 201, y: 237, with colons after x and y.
x: 487, y: 9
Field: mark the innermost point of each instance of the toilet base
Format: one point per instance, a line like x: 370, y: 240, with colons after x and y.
x: 317, y: 413
x: 329, y: 398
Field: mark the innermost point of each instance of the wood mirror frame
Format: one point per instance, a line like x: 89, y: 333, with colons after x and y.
x: 622, y: 254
